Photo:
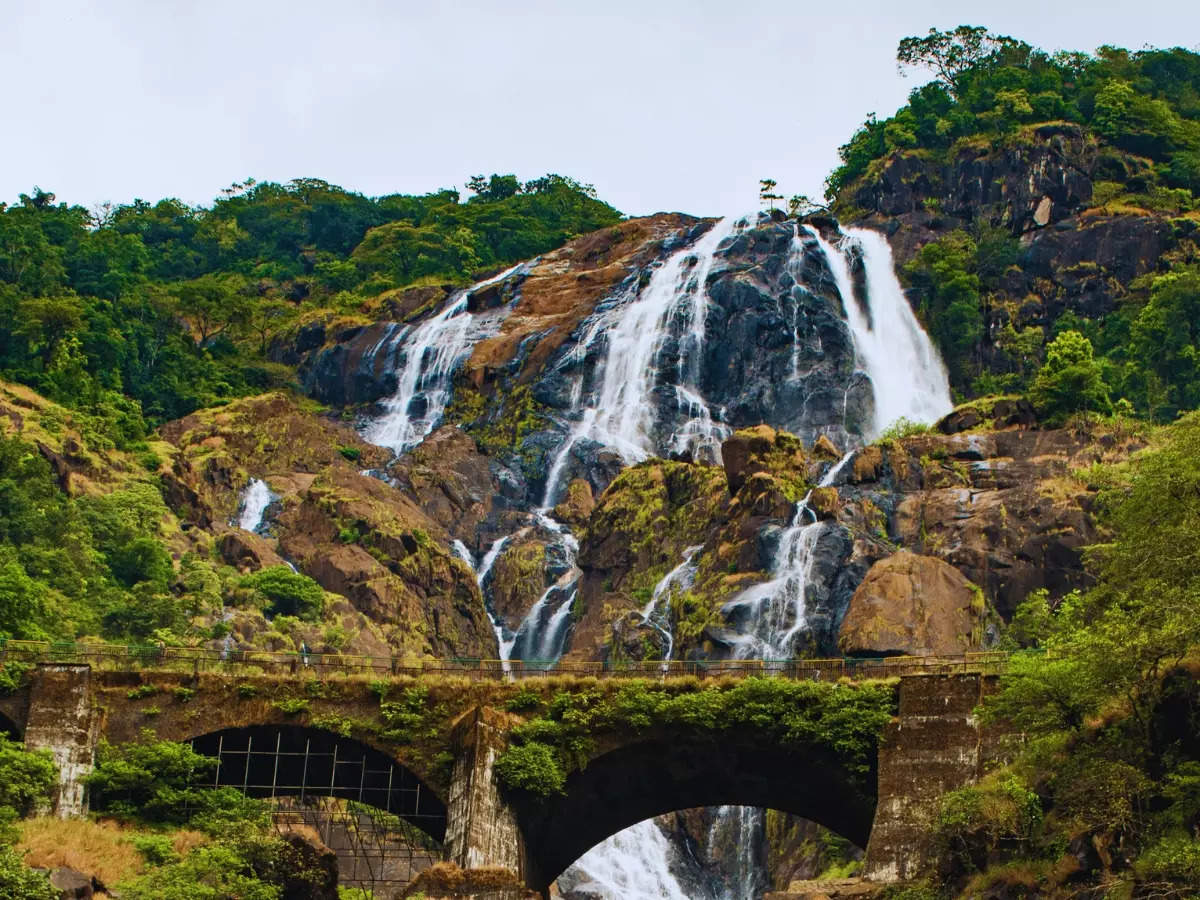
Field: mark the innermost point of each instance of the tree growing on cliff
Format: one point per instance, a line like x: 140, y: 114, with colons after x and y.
x: 766, y: 191
x: 1070, y: 381
x: 951, y: 54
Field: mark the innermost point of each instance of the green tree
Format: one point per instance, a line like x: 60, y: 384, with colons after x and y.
x: 952, y: 54
x: 212, y: 305
x: 27, y: 778
x: 19, y: 882
x: 943, y: 274
x: 1166, y: 340
x: 1070, y: 381
x: 151, y: 781
x: 286, y: 593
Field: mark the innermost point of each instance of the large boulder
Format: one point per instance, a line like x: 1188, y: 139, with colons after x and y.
x: 910, y: 604
x: 760, y: 449
x: 518, y: 578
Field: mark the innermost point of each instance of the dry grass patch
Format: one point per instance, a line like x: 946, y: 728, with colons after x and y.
x: 101, y: 849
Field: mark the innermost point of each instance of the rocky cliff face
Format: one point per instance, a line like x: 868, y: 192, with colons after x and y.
x: 1001, y: 508
x: 1077, y: 255
x: 928, y: 536
x: 383, y: 549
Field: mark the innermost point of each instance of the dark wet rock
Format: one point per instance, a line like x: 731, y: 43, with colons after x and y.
x: 72, y: 884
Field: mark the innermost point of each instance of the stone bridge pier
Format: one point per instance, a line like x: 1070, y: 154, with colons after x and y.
x: 57, y: 713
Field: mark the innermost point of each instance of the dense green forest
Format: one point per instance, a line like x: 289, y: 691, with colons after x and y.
x: 138, y: 314
x: 141, y: 313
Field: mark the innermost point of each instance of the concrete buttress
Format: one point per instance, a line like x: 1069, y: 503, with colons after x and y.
x: 481, y: 828
x: 63, y: 720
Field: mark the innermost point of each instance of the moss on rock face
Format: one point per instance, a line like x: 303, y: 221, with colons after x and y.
x: 365, y: 540
x: 641, y: 527
x: 518, y: 579
x: 763, y: 449
x: 218, y: 450
x: 577, y: 506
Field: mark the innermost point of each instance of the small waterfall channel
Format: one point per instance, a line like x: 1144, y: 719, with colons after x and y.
x: 430, y: 353
x: 252, y: 508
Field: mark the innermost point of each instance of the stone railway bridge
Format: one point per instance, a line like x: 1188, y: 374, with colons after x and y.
x: 425, y: 749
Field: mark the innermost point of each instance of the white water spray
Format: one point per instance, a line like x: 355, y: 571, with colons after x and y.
x: 630, y: 865
x: 621, y: 415
x: 778, y: 606
x: 256, y: 497
x: 432, y: 351
x: 908, y: 379
x: 680, y: 578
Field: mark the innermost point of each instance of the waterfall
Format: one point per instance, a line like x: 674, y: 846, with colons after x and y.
x: 631, y: 864
x: 461, y: 551
x: 746, y: 824
x: 252, y: 507
x: 542, y: 634
x: 777, y: 606
x: 621, y: 415
x: 908, y: 379
x: 429, y: 354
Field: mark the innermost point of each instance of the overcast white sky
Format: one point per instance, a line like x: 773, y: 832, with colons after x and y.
x: 662, y: 104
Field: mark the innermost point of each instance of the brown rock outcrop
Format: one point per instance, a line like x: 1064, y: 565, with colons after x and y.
x: 912, y: 604
x: 218, y: 450
x: 562, y: 288
x: 365, y: 540
x: 518, y: 578
x: 450, y: 480
x: 578, y: 504
x: 759, y: 449
x: 247, y: 552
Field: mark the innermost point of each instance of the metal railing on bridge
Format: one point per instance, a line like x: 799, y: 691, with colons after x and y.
x: 204, y: 659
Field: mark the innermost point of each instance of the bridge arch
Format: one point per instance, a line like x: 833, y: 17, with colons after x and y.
x: 656, y: 776
x: 9, y: 728
x: 280, y: 760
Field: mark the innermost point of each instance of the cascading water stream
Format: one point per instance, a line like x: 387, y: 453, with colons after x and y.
x: 256, y: 497
x: 431, y: 352
x: 631, y: 865
x: 679, y: 578
x: 908, y: 380
x: 777, y: 606
x: 621, y: 415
